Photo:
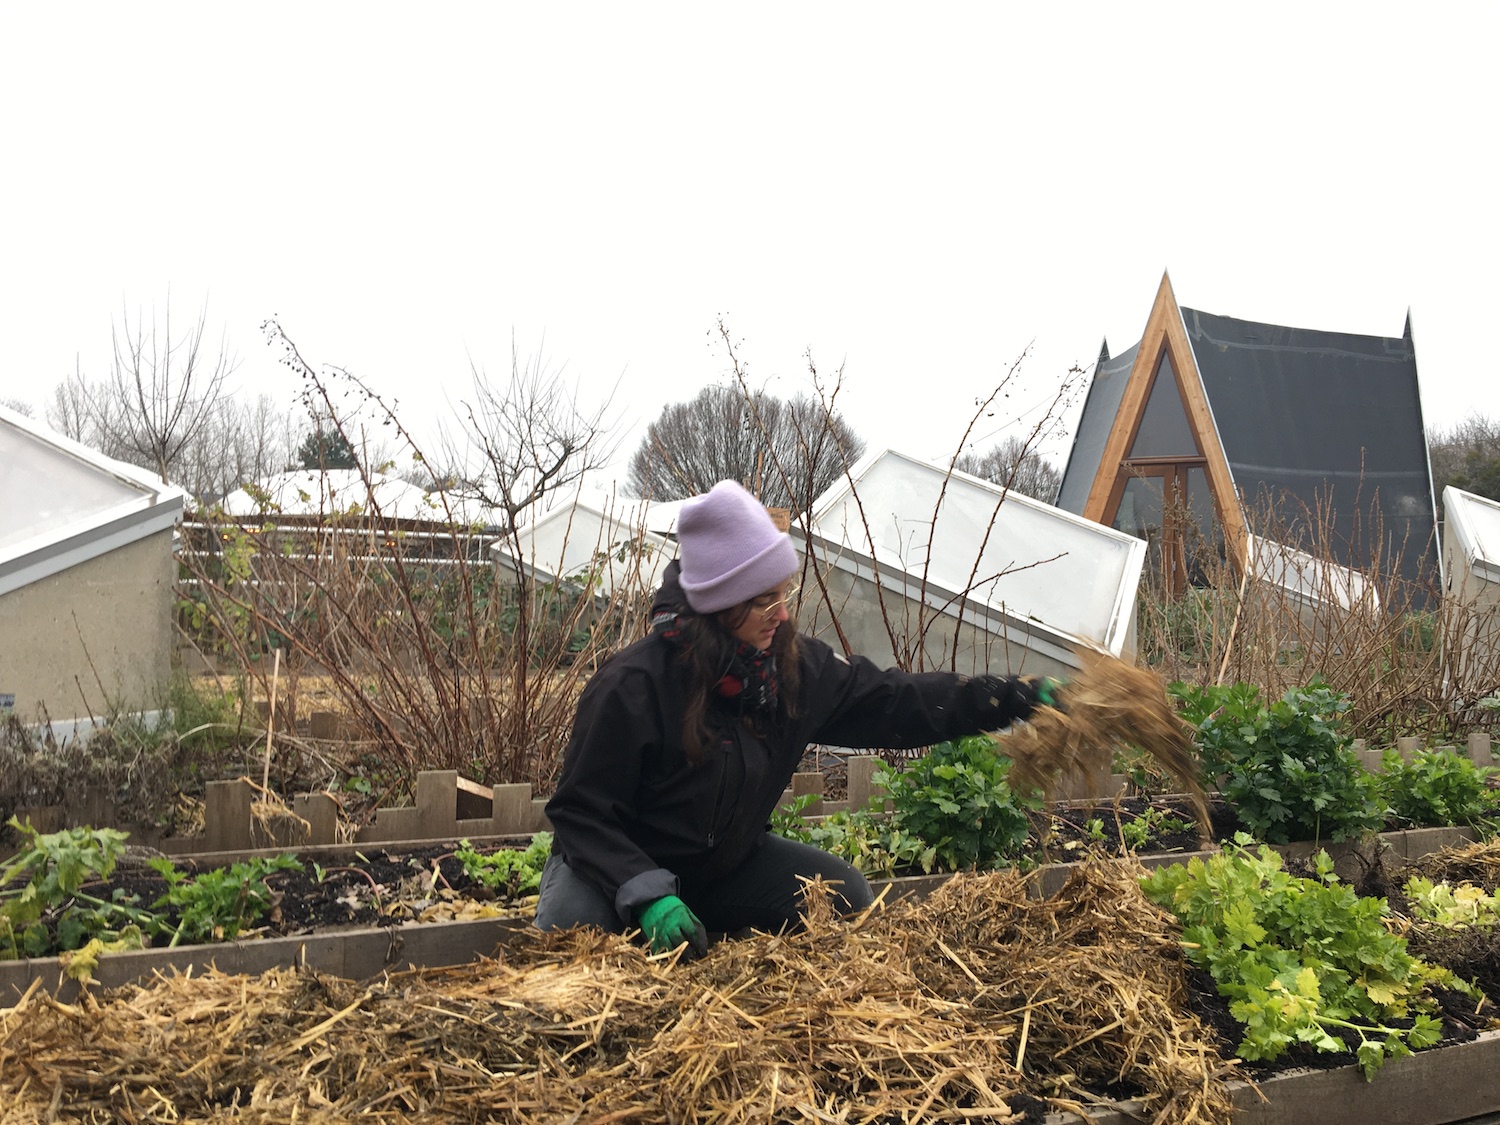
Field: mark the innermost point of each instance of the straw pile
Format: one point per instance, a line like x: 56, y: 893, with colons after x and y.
x: 1110, y: 703
x: 976, y: 1004
x: 1477, y: 863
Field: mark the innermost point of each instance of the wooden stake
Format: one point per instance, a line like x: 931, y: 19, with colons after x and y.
x: 265, y: 773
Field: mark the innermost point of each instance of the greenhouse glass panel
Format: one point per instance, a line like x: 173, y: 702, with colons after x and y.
x: 1164, y: 429
x: 1471, y: 589
x: 46, y: 490
x: 1032, y: 560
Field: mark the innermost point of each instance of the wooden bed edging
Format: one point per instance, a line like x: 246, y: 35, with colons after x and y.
x: 449, y: 804
x: 354, y: 954
x: 1440, y: 1086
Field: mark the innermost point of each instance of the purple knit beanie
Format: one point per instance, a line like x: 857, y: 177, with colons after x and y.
x: 731, y: 551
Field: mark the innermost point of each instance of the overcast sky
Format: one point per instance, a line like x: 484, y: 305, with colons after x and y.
x: 917, y: 194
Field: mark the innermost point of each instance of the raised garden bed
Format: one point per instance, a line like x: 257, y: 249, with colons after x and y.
x: 1435, y: 1086
x: 323, y: 918
x: 417, y: 886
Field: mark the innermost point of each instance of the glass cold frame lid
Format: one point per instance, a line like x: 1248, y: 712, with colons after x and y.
x: 1484, y: 521
x: 1031, y: 558
x: 44, y: 490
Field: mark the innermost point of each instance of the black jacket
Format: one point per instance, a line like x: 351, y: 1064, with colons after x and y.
x: 630, y: 815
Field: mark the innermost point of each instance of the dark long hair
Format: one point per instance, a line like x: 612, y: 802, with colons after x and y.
x: 708, y: 647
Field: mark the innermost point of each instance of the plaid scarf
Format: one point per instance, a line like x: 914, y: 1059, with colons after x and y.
x: 748, y: 684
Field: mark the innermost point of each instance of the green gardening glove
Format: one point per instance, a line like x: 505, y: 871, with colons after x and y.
x: 1049, y: 693
x: 667, y: 923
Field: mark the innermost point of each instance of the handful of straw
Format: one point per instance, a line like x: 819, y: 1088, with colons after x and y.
x: 1110, y: 703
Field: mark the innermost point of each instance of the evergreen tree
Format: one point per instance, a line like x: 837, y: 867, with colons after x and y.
x: 326, y: 449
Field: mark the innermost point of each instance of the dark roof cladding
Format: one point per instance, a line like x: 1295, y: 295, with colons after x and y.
x: 1099, y: 409
x: 1321, y: 421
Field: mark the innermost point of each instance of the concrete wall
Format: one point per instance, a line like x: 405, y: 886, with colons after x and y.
x: 105, y: 621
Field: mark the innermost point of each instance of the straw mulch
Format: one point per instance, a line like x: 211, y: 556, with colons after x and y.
x: 975, y: 1004
x: 1110, y: 703
x: 1477, y: 863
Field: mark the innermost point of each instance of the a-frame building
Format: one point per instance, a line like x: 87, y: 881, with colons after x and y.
x: 1209, y: 418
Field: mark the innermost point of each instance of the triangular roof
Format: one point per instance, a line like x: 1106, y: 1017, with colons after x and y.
x: 1316, y: 420
x: 62, y: 503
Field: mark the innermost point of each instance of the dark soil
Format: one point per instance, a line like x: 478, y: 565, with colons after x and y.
x: 1163, y: 824
x: 375, y: 887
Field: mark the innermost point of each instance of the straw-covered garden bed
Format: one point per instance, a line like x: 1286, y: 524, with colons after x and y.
x: 976, y: 1003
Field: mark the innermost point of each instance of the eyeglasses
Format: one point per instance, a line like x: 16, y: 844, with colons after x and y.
x: 788, y: 599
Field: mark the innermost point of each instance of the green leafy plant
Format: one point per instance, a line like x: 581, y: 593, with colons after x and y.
x: 216, y: 905
x: 511, y: 872
x: 1144, y: 773
x: 43, y: 908
x: 1150, y: 825
x: 1436, y: 787
x: 1288, y: 768
x: 958, y: 800
x: 789, y: 819
x: 866, y: 837
x: 1301, y: 960
x: 1442, y: 904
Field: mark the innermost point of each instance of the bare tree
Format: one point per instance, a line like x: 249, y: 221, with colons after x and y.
x: 162, y: 391
x: 83, y: 411
x: 240, y: 443
x: 524, y: 440
x: 18, y: 405
x: 1467, y: 456
x: 1015, y: 464
x: 786, y: 452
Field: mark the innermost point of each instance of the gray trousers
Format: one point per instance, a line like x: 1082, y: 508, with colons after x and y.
x: 763, y: 893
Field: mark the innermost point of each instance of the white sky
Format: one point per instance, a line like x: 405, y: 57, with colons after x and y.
x: 915, y: 192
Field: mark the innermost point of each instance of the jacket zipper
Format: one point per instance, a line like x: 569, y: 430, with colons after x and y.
x: 724, y: 748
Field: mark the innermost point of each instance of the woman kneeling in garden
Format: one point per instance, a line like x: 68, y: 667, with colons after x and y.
x: 684, y: 742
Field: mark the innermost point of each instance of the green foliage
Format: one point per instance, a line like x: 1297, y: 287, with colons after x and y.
x: 49, y: 912
x: 461, y: 604
x: 326, y: 449
x: 223, y: 624
x: 1152, y: 824
x: 957, y: 798
x: 1301, y: 960
x: 1442, y: 904
x: 552, y: 621
x: 1479, y: 474
x: 867, y: 838
x: 42, y: 906
x: 1287, y: 769
x: 1437, y: 787
x: 1146, y: 774
x: 1182, y: 627
x: 511, y: 872
x: 216, y: 905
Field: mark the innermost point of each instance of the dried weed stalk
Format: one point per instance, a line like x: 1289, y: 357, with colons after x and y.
x: 1111, y: 703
